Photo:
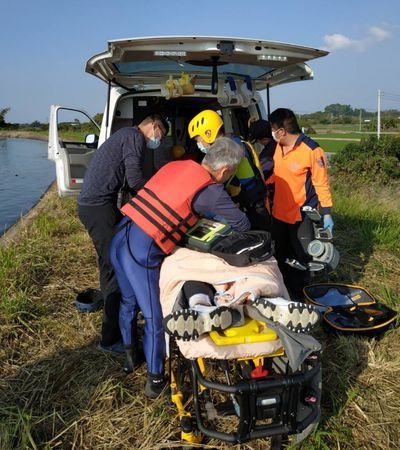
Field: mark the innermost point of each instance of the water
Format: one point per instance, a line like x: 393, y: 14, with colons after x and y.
x: 25, y: 174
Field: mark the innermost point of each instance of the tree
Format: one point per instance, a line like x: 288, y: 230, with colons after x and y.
x: 339, y: 110
x: 98, y: 118
x: 3, y: 112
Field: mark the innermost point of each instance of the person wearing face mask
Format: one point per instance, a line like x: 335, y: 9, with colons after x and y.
x: 118, y: 161
x: 246, y: 187
x: 300, y: 179
x: 156, y: 218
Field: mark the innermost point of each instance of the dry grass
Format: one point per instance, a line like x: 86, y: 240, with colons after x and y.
x: 58, y: 392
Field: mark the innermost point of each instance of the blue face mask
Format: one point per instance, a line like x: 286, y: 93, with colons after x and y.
x: 153, y: 143
x: 201, y: 147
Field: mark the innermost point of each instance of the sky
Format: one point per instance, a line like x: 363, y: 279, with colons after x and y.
x: 46, y: 43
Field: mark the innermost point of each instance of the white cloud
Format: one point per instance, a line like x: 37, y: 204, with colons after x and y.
x: 379, y: 33
x: 339, y: 41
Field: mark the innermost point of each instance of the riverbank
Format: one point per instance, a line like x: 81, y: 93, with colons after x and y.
x: 22, y: 134
x: 11, y: 234
x: 58, y: 391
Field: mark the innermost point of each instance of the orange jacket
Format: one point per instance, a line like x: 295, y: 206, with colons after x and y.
x: 300, y: 179
x: 163, y: 207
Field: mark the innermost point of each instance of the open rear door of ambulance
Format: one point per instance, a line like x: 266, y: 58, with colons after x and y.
x: 143, y: 63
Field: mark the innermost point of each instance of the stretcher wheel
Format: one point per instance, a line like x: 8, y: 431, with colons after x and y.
x: 279, y: 442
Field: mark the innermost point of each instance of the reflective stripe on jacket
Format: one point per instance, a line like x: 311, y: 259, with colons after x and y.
x: 247, y: 185
x: 163, y: 207
x: 301, y: 179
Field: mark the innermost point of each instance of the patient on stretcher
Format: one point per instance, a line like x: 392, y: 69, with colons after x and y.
x: 208, y: 307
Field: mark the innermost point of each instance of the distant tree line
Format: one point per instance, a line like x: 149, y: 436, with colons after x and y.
x: 75, y: 125
x: 334, y: 114
x: 337, y: 113
x: 3, y: 113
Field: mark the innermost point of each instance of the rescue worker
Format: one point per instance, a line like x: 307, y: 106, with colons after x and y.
x: 301, y: 179
x: 260, y: 136
x: 156, y: 218
x: 246, y: 187
x: 120, y: 157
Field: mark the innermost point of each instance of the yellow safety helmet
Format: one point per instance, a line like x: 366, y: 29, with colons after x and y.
x: 207, y: 120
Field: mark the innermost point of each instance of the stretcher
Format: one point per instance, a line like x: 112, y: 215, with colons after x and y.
x: 238, y: 385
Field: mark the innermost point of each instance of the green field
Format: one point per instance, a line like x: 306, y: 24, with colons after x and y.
x: 335, y: 141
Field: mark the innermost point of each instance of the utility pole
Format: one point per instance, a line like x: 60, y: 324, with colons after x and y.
x: 359, y: 129
x: 378, y: 125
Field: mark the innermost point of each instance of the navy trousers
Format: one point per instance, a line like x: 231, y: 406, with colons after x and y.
x: 291, y: 241
x: 136, y: 259
x: 100, y: 222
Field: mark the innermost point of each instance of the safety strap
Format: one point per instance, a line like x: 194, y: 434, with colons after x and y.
x: 254, y: 161
x: 175, y: 228
x: 151, y: 220
x: 167, y: 207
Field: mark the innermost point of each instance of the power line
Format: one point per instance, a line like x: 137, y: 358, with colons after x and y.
x: 390, y: 96
x: 390, y: 93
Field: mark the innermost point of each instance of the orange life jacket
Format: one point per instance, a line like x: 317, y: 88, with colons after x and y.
x: 163, y: 207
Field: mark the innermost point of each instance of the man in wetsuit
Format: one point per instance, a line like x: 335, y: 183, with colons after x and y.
x: 156, y: 218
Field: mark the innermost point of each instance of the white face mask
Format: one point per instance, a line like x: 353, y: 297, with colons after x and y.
x: 201, y: 147
x: 274, y: 136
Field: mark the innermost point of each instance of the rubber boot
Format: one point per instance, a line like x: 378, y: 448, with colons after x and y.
x: 133, y: 359
x: 155, y: 385
x: 129, y: 364
x: 134, y: 355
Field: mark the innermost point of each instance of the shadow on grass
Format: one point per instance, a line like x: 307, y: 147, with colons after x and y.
x: 354, y: 239
x: 344, y: 359
x: 80, y: 398
x: 45, y: 403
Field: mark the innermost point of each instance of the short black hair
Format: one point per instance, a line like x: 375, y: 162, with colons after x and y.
x: 286, y: 119
x: 157, y: 118
x: 260, y: 129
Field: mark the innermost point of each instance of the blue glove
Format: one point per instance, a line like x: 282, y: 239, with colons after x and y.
x: 328, y: 222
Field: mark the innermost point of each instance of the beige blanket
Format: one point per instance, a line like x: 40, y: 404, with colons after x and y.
x: 263, y: 279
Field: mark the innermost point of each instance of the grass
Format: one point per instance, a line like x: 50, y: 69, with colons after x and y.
x: 58, y: 392
x: 74, y: 136
x: 332, y: 146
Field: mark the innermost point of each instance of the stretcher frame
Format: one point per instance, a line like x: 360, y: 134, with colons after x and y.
x: 273, y: 398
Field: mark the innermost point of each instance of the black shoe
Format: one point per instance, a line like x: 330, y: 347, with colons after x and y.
x: 133, y: 359
x: 155, y: 385
x: 118, y: 347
